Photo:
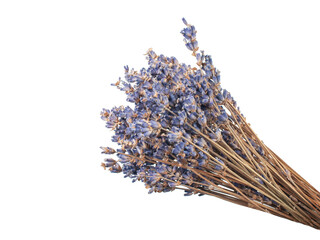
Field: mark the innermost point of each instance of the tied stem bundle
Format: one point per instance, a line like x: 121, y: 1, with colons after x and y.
x: 185, y: 132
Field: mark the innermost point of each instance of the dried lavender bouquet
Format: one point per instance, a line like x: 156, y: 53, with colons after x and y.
x: 185, y: 132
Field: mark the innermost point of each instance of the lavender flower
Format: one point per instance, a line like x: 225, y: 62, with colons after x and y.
x: 184, y: 132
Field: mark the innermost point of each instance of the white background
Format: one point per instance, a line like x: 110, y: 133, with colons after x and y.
x: 57, y: 60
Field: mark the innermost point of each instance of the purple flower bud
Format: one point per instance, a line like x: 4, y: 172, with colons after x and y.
x: 202, y: 120
x: 194, y: 45
x: 105, y: 114
x: 155, y: 124
x: 107, y: 150
x: 188, y: 193
x: 219, y: 167
x: 115, y: 168
x: 223, y: 117
x: 189, y: 46
x: 198, y: 56
x: 172, y: 184
x: 123, y: 158
x: 184, y: 21
x: 110, y: 162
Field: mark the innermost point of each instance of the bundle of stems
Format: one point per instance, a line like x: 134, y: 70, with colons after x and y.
x: 186, y: 133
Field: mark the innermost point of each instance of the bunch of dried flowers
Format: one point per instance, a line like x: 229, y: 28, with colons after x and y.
x: 185, y: 132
